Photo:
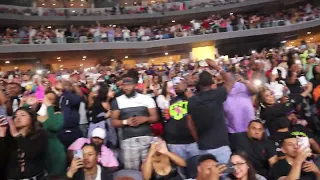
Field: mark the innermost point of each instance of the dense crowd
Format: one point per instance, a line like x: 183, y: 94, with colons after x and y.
x: 114, y: 33
x: 137, y: 8
x: 250, y: 118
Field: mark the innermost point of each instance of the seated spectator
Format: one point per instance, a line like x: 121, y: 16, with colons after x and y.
x: 107, y: 158
x: 295, y: 164
x: 158, y: 160
x: 208, y: 168
x: 127, y: 174
x: 23, y: 149
x: 284, y: 127
x: 87, y: 167
x: 261, y: 152
x: 243, y: 168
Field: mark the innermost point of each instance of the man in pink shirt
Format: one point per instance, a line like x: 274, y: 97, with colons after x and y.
x: 107, y: 158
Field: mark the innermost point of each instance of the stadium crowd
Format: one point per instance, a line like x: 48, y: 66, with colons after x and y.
x: 248, y: 118
x: 137, y: 8
x: 114, y: 33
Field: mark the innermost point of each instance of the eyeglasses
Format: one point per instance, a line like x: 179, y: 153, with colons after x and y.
x: 239, y: 164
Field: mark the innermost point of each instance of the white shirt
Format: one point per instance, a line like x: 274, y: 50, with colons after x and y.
x: 32, y: 32
x: 126, y: 33
x: 140, y: 33
x: 96, y: 32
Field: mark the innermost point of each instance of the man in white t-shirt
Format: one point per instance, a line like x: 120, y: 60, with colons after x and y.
x: 32, y: 33
x: 60, y: 35
x: 126, y: 34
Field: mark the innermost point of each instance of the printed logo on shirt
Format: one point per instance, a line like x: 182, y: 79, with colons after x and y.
x: 178, y: 110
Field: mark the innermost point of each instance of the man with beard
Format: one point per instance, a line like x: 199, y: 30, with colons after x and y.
x: 133, y: 113
x: 261, y: 151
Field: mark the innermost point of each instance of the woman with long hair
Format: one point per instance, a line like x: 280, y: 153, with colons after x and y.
x: 271, y: 109
x: 161, y: 163
x: 243, y: 169
x: 23, y: 145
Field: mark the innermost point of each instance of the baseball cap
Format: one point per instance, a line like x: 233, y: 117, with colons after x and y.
x: 99, y: 133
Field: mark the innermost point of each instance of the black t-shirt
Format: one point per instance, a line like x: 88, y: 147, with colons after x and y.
x: 295, y: 88
x: 176, y: 129
x: 259, y: 152
x: 272, y: 113
x: 206, y: 109
x: 282, y: 168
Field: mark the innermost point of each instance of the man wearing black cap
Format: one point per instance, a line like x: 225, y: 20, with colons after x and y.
x: 205, y: 113
x: 132, y: 113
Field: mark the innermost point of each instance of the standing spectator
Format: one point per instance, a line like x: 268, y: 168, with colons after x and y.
x: 132, y: 112
x: 207, y: 121
x: 13, y: 90
x: 141, y: 33
x: 32, y: 34
x: 180, y: 142
x: 23, y: 150
x: 97, y: 32
x: 126, y: 34
x: 83, y: 35
x: 111, y: 33
x: 60, y: 35
x: 69, y: 103
x: 238, y: 108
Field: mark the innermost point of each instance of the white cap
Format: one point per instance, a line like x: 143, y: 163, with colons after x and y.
x: 99, y: 132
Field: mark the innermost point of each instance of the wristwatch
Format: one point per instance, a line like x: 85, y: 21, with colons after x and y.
x: 125, y: 122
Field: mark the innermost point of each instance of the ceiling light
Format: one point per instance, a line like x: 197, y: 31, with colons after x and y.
x: 61, y: 65
x: 7, y: 62
x: 153, y: 1
x: 166, y: 53
x: 253, y: 51
x: 43, y: 4
x: 59, y: 60
x: 39, y: 71
x: 81, y: 5
x: 71, y: 4
x: 58, y: 57
x: 84, y: 57
x: 53, y: 4
x: 61, y: 69
x: 311, y: 38
x: 309, y: 32
x: 73, y: 11
x: 82, y: 0
x: 15, y: 67
x: 231, y: 13
x: 152, y: 60
x: 114, y: 26
x: 81, y: 64
x: 125, y: 3
x: 308, y: 41
x: 126, y: 57
x: 49, y: 27
x: 173, y: 21
x: 135, y: 3
x: 283, y: 42
x: 292, y: 42
x: 110, y: 25
x: 112, y: 60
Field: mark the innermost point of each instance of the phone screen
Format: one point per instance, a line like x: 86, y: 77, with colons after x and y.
x: 78, y: 154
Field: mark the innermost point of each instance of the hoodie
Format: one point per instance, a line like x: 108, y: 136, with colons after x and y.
x: 69, y: 104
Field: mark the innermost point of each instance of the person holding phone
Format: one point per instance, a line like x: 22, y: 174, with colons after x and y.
x: 295, y: 164
x: 87, y: 167
x: 243, y: 169
x: 23, y: 146
x: 159, y: 160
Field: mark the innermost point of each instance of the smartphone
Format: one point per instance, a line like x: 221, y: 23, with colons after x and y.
x: 230, y: 168
x: 3, y: 120
x: 303, y: 81
x: 78, y: 154
x: 203, y: 63
x: 154, y: 140
x: 303, y: 142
